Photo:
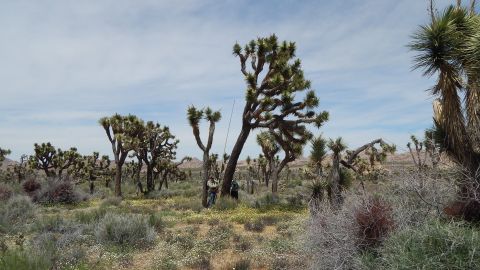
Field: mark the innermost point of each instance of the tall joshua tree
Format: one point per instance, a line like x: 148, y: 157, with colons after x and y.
x: 448, y: 47
x: 194, y: 116
x: 3, y: 153
x: 273, y: 76
x: 157, y: 142
x: 124, y: 133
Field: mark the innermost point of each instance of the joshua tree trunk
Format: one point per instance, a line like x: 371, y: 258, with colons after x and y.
x: 118, y: 180
x: 276, y: 173
x: 205, y: 179
x: 150, y: 183
x: 336, y: 195
x: 232, y: 162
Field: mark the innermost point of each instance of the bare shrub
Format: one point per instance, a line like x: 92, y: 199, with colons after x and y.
x: 255, y: 225
x: 17, y: 210
x: 58, y: 192
x: 5, y: 192
x: 332, y: 236
x: 374, y: 222
x: 31, y: 186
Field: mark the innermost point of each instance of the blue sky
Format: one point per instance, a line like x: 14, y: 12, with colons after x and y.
x: 65, y: 64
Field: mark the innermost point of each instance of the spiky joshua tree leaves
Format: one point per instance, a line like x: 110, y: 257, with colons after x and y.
x: 194, y: 116
x: 449, y: 48
x: 53, y: 161
x: 318, y: 153
x: 124, y: 133
x: 270, y: 148
x: 274, y: 77
x: 94, y: 167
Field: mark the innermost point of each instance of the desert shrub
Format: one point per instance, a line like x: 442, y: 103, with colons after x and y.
x: 157, y: 222
x: 332, y: 236
x: 18, y: 210
x: 280, y: 263
x: 218, y: 236
x: 374, y: 221
x: 434, y: 245
x: 242, y: 264
x: 125, y: 230
x: 164, y: 264
x: 255, y: 225
x: 280, y: 245
x: 23, y: 260
x: 50, y: 224
x: 58, y: 192
x: 213, y: 221
x: 269, y: 220
x: 5, y: 192
x: 241, y: 243
x: 31, y: 186
x: 184, y: 240
x: 111, y: 201
x: 225, y: 203
x: 296, y: 200
x: 89, y: 216
x: 468, y: 210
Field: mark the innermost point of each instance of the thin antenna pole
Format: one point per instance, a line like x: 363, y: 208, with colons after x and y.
x: 228, y: 130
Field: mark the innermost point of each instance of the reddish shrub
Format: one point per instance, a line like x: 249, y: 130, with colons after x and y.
x: 58, y: 192
x: 374, y: 221
x: 31, y: 186
x: 468, y: 210
x: 5, y: 193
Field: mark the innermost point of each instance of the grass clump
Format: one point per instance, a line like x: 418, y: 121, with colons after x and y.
x: 111, y: 201
x: 23, y: 260
x: 434, y: 245
x: 225, y: 203
x: 125, y: 230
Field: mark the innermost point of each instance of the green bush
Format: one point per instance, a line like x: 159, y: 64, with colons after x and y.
x: 434, y: 245
x: 125, y: 230
x: 225, y: 203
x: 241, y: 243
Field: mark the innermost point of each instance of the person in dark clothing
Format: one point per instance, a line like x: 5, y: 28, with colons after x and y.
x: 234, y: 189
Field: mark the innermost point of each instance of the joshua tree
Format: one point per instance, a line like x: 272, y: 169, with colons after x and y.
x: 157, y: 143
x: 448, y: 47
x: 20, y: 168
x: 94, y: 167
x: 124, y: 133
x: 3, y: 153
x: 352, y: 161
x: 53, y: 161
x: 167, y: 168
x: 194, y: 117
x: 318, y: 154
x: 270, y: 95
x: 270, y: 149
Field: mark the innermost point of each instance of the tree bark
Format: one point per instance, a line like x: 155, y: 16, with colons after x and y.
x: 150, y: 185
x: 118, y: 180
x: 205, y: 179
x: 336, y: 195
x: 232, y: 162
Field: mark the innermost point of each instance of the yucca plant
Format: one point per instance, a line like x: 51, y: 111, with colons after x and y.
x: 449, y: 48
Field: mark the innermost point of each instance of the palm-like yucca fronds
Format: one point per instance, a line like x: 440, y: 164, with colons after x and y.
x: 448, y: 47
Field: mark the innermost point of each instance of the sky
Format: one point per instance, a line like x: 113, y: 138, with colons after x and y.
x: 65, y: 64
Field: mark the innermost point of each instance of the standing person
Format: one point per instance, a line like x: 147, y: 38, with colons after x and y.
x: 212, y: 191
x: 234, y: 189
